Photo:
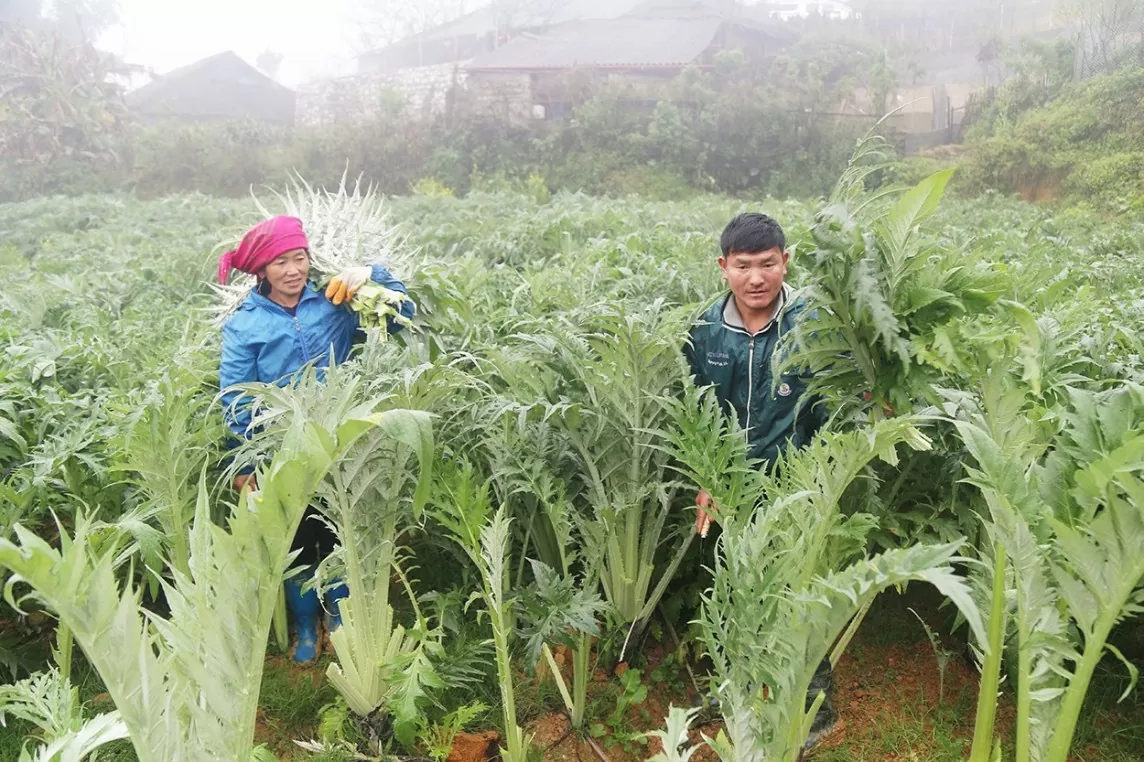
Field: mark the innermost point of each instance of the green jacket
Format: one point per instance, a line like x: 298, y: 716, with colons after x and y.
x: 723, y: 354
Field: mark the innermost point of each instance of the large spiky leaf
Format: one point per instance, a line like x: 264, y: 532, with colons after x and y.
x: 1074, y: 564
x: 185, y: 684
x: 782, y: 593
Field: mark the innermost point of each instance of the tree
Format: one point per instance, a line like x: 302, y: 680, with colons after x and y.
x: 84, y: 19
x: 1103, y: 28
x: 384, y: 22
x: 522, y: 14
x: 269, y: 62
x: 61, y: 103
x: 75, y: 20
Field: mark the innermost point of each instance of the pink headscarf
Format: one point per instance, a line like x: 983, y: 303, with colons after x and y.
x: 264, y: 243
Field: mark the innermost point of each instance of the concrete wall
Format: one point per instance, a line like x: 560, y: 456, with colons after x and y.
x: 419, y: 92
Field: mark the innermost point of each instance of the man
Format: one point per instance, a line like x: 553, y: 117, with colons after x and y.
x: 731, y: 348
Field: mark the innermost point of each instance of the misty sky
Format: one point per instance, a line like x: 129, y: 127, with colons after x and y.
x: 318, y: 39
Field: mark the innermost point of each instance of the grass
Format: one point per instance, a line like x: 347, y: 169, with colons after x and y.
x: 900, y: 718
x: 291, y: 703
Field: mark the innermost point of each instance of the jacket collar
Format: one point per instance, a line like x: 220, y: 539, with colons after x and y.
x: 734, y: 320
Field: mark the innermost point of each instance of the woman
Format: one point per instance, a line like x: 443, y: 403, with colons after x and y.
x: 284, y: 324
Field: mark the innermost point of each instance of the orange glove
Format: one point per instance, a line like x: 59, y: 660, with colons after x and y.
x: 344, y: 286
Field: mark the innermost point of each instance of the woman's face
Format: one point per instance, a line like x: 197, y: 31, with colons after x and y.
x: 288, y: 273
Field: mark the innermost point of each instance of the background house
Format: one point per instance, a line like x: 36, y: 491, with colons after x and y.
x: 536, y: 61
x: 798, y: 9
x: 483, y: 30
x: 528, y: 77
x: 517, y: 65
x: 220, y: 87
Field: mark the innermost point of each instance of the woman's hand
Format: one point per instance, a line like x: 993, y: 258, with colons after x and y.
x: 344, y: 286
x: 244, y: 481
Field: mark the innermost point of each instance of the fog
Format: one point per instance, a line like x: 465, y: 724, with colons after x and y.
x: 315, y: 39
x: 321, y: 40
x: 604, y: 96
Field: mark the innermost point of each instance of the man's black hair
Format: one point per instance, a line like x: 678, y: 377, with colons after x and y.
x: 751, y: 233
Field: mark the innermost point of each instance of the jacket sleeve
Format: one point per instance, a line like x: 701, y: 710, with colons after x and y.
x: 384, y: 278
x: 239, y: 365
x: 812, y: 418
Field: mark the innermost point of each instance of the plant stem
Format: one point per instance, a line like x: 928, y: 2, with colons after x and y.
x: 558, y: 677
x: 508, y: 699
x: 281, y: 623
x: 991, y: 669
x: 64, y: 650
x: 1024, y: 696
x: 848, y: 635
x: 581, y: 656
x: 1078, y: 686
x: 664, y: 580
x: 892, y: 496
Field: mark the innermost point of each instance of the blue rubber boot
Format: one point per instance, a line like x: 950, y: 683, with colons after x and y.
x: 332, y: 600
x: 305, y: 611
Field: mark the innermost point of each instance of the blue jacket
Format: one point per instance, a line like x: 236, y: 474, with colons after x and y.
x: 263, y: 342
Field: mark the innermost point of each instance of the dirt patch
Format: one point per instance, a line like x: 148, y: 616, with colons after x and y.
x: 667, y: 684
x: 475, y: 747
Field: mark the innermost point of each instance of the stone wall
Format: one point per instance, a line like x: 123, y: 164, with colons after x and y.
x: 505, y: 95
x: 419, y: 92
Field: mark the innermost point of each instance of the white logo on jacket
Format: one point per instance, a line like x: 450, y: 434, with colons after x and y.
x: 718, y: 359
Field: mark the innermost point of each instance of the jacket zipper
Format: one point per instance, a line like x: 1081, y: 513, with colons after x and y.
x: 301, y: 341
x: 750, y: 387
x: 777, y: 318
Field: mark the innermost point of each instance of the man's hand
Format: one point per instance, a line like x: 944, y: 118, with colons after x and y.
x: 244, y: 481
x: 887, y: 408
x: 704, y: 514
x: 344, y: 286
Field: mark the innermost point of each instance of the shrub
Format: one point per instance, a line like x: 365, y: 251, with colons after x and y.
x: 650, y: 182
x: 1087, y: 143
x: 225, y: 158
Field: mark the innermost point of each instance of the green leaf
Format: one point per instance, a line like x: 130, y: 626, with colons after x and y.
x: 1133, y: 671
x: 1031, y: 345
x: 914, y: 207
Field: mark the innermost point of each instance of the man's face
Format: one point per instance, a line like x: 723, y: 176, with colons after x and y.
x: 288, y: 273
x: 755, y: 279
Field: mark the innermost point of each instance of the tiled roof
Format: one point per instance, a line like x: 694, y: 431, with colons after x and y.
x: 619, y: 43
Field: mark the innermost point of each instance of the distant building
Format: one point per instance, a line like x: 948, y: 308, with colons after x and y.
x: 834, y: 10
x: 484, y: 30
x: 525, y: 78
x: 221, y: 87
x: 517, y: 62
